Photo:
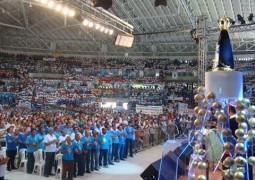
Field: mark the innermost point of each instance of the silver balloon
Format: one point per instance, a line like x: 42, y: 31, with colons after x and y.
x: 238, y: 176
x: 252, y: 122
x: 242, y: 125
x: 228, y: 162
x: 240, y: 161
x: 240, y: 118
x: 202, y: 165
x: 226, y: 132
x: 228, y: 146
x: 251, y: 133
x: 239, y: 133
x: 201, y: 177
x: 240, y: 148
x: 251, y: 160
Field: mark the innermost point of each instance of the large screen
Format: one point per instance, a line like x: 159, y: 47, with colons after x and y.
x: 124, y: 40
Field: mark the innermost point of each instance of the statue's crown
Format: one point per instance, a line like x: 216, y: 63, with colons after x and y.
x: 224, y: 23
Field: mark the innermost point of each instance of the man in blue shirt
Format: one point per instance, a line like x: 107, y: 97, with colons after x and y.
x: 41, y: 136
x: 11, y: 148
x: 95, y: 151
x: 22, y: 139
x: 110, y: 133
x: 115, y: 143
x: 21, y: 142
x: 69, y: 128
x: 122, y: 139
x: 87, y: 146
x: 129, y: 141
x: 57, y: 132
x: 68, y: 158
x: 78, y: 156
x: 32, y: 143
x: 105, y: 142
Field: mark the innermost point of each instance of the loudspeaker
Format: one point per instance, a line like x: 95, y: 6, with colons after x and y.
x: 184, y: 151
x: 160, y: 3
x: 151, y: 172
x: 169, y: 164
x: 106, y: 4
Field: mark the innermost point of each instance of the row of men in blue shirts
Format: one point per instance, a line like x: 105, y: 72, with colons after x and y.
x: 89, y: 150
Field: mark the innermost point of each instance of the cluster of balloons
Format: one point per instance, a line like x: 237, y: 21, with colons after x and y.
x: 245, y: 134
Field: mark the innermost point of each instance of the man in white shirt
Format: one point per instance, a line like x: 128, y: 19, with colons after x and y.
x: 62, y: 138
x: 50, y: 142
x: 3, y: 162
x: 76, y: 131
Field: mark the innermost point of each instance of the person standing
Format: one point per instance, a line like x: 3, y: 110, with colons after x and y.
x: 3, y: 161
x: 11, y: 149
x: 41, y: 136
x: 95, y: 151
x: 110, y: 133
x: 115, y: 144
x: 21, y: 142
x: 87, y: 146
x: 78, y: 160
x: 105, y: 141
x: 50, y: 142
x: 129, y: 141
x: 2, y: 134
x: 68, y: 158
x: 32, y: 143
x: 122, y: 139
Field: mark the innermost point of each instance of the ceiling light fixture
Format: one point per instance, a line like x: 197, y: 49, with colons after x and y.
x: 71, y: 13
x: 58, y: 7
x: 51, y: 4
x: 85, y: 22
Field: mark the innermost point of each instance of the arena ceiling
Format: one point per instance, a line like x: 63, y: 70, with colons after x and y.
x: 27, y: 26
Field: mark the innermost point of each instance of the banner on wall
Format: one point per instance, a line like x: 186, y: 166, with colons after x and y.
x: 183, y: 108
x: 49, y: 59
x: 151, y: 110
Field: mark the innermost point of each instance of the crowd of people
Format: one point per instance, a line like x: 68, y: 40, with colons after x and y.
x: 82, y: 76
x: 86, y: 142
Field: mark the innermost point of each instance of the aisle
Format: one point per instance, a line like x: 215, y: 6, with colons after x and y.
x: 125, y: 170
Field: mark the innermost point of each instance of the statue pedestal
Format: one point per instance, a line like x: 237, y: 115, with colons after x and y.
x: 225, y: 84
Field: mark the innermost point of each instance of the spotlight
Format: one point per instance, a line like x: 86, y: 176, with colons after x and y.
x: 51, y: 4
x: 106, y: 30
x: 111, y: 32
x: 160, y: 3
x: 102, y: 29
x: 240, y: 18
x: 91, y: 24
x: 106, y: 4
x: 250, y: 17
x: 71, y: 13
x: 85, y: 22
x: 97, y: 26
x: 65, y: 10
x: 232, y: 21
x: 58, y: 7
x: 44, y: 1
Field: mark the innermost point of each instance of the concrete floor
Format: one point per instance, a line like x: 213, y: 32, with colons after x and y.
x: 125, y: 170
